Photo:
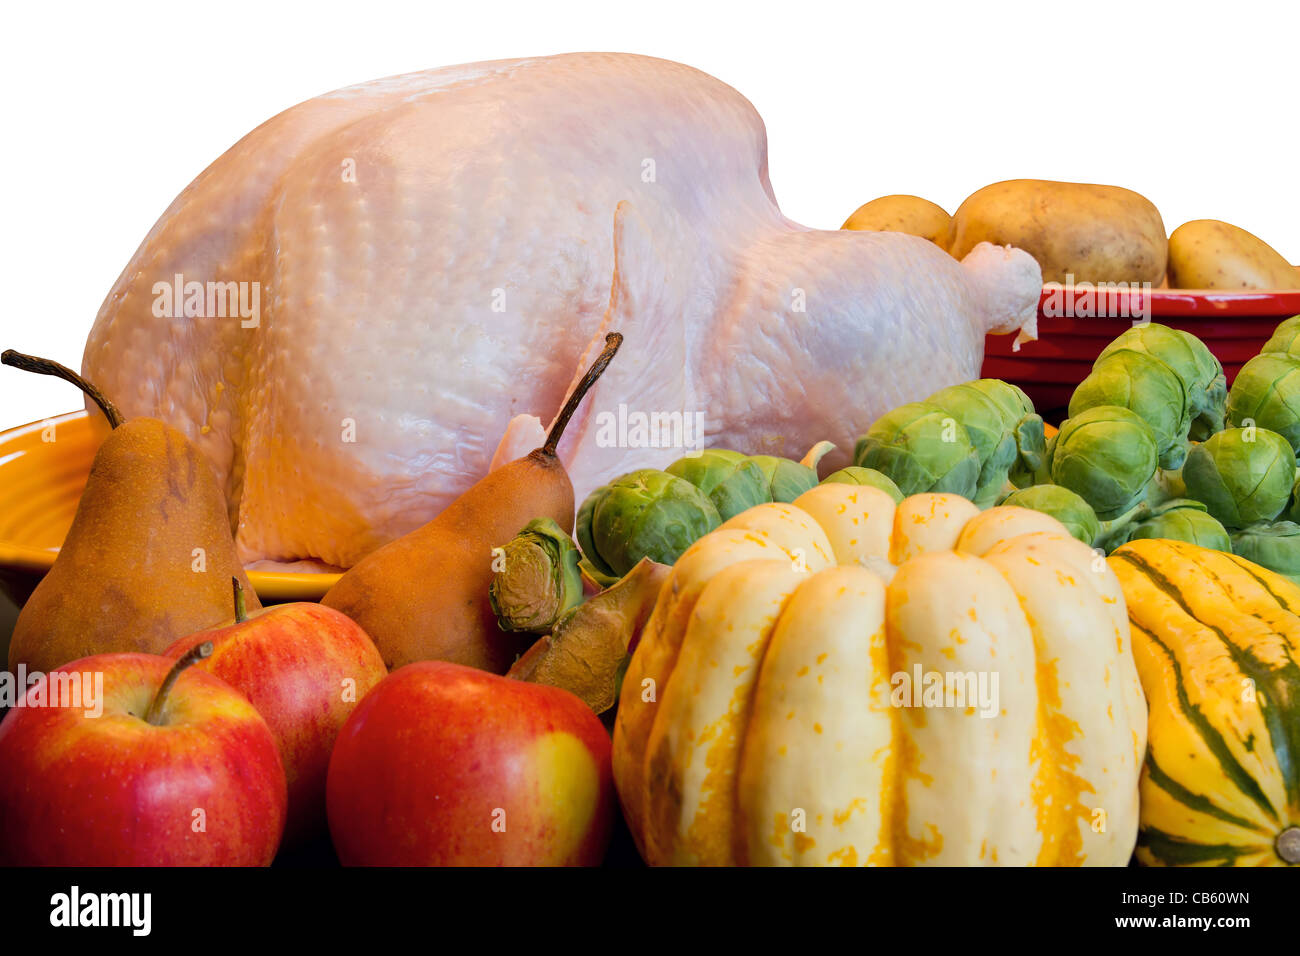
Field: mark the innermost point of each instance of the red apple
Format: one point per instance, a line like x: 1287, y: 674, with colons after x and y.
x: 178, y: 769
x: 448, y: 765
x: 304, y: 667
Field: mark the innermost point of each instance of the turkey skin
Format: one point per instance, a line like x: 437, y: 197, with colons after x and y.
x: 378, y: 294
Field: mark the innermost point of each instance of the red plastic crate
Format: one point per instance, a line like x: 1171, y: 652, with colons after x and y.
x: 1234, y: 325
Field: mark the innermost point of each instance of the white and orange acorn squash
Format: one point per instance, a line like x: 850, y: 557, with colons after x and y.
x: 759, y: 720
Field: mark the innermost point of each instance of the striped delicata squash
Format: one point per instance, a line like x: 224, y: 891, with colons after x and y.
x: 1217, y: 644
x: 769, y: 714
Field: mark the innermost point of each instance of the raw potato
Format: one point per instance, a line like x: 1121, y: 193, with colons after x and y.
x: 910, y: 214
x: 1209, y: 254
x: 1093, y: 233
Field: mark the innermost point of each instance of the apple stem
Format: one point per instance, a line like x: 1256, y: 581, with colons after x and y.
x: 241, y: 610
x: 192, y: 656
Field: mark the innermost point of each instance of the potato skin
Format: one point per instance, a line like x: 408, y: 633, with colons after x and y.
x: 1209, y: 254
x: 910, y: 214
x: 1094, y: 233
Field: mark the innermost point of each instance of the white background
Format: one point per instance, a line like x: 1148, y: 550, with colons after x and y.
x: 110, y: 110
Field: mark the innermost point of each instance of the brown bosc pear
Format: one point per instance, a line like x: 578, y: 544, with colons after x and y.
x: 424, y: 596
x: 149, y: 556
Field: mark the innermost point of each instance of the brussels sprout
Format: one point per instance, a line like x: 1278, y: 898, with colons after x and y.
x: 646, y: 513
x: 1243, y: 475
x: 1292, y: 512
x: 1107, y: 456
x: 1266, y: 393
x: 869, y: 477
x: 921, y: 448
x: 1275, y: 546
x: 1286, y: 338
x: 1063, y: 505
x: 1147, y: 387
x: 1004, y: 428
x: 539, y: 581
x: 1188, y: 358
x: 732, y: 481
x: 1190, y: 523
x: 786, y: 479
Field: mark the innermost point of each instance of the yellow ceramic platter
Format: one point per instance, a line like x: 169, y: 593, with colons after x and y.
x: 43, y: 469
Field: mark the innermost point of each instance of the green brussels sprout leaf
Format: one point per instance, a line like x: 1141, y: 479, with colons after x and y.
x: 1266, y: 394
x: 1243, y: 475
x: 786, y: 479
x: 1194, y: 364
x: 1285, y: 338
x: 1063, y: 505
x: 1147, y: 387
x: 922, y: 448
x: 1107, y: 455
x: 1292, y: 512
x: 643, y: 514
x: 1189, y: 522
x: 732, y: 482
x: 1007, y: 433
x: 1274, y: 545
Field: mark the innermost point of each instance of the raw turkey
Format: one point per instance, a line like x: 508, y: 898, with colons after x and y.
x: 361, y: 301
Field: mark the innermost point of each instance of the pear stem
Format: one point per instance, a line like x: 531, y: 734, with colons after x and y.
x: 612, y: 342
x: 44, y: 366
x: 241, y: 610
x: 192, y: 656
